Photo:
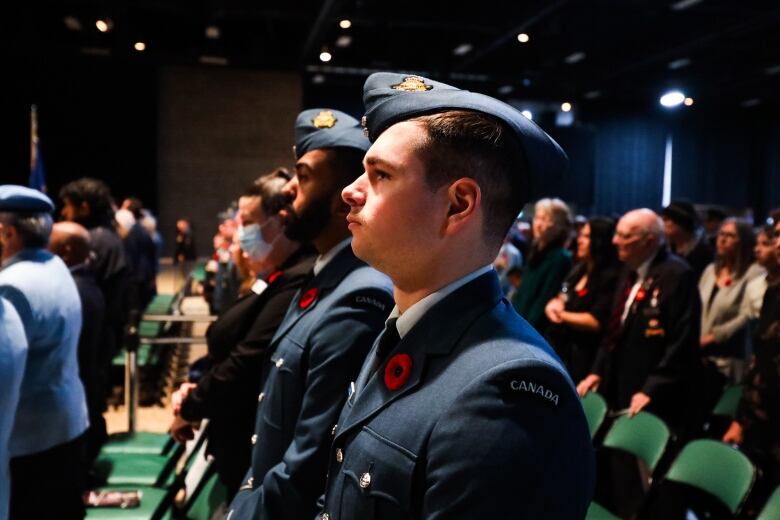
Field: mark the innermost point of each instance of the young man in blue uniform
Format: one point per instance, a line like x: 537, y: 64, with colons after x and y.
x: 325, y: 335
x: 461, y: 410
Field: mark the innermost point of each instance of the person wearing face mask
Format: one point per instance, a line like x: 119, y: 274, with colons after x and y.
x: 238, y: 340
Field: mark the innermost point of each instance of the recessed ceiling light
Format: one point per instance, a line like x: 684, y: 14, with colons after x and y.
x: 672, y: 99
x: 528, y: 114
x: 688, y: 101
x: 462, y: 49
x: 593, y: 94
x: 103, y: 25
x: 72, y: 23
x: 325, y: 56
x: 679, y: 64
x: 345, y: 24
x: 523, y: 38
x: 574, y: 57
x: 566, y: 106
x: 344, y: 40
x: 318, y: 79
x: 505, y: 89
x: 212, y: 32
x: 140, y: 46
x: 683, y: 4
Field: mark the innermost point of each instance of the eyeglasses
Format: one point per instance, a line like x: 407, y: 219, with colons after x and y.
x: 727, y: 234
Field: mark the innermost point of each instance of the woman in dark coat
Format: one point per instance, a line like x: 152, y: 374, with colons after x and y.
x: 579, y: 313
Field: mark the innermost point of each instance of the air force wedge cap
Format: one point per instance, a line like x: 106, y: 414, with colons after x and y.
x: 390, y: 98
x: 326, y: 128
x: 18, y: 199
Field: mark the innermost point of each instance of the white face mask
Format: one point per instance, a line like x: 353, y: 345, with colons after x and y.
x: 252, y: 242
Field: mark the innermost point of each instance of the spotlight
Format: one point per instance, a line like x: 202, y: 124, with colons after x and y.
x: 213, y: 32
x: 672, y: 99
x: 566, y: 106
x: 462, y: 49
x: 103, y: 25
x: 345, y: 24
x: 140, y: 46
x: 688, y: 101
x: 325, y: 56
x: 528, y: 114
x: 343, y: 41
x: 523, y: 38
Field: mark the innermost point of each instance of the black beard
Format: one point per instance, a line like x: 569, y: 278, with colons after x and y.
x: 306, y: 225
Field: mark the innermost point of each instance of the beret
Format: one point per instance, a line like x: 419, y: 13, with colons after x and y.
x: 390, y: 98
x: 15, y: 198
x: 326, y: 128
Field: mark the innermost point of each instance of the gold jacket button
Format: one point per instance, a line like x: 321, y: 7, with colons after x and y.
x: 333, y: 431
x: 365, y: 480
x: 325, y: 516
x: 279, y: 362
x: 254, y: 438
x: 339, y: 455
x: 260, y: 397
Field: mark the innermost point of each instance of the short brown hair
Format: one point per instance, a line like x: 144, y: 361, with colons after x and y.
x: 463, y: 143
x: 269, y: 188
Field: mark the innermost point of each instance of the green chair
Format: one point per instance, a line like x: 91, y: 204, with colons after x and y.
x: 644, y: 436
x: 598, y: 512
x: 771, y: 510
x: 728, y: 402
x: 715, y: 468
x: 149, y: 443
x: 137, y: 469
x: 595, y: 408
x: 209, y: 495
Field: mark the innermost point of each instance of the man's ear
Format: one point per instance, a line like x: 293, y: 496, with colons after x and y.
x: 465, y: 198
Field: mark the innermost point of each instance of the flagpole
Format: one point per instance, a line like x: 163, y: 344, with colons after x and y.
x: 33, y: 136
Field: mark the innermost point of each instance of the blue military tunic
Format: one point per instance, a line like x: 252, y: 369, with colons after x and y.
x: 318, y: 348
x: 487, y: 425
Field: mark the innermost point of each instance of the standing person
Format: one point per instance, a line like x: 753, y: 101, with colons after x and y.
x: 461, y: 409
x: 46, y: 442
x: 722, y: 289
x: 238, y: 341
x: 13, y: 355
x: 326, y: 334
x: 185, y: 243
x: 142, y: 258
x: 648, y: 354
x: 766, y: 257
x: 547, y: 264
x: 70, y: 241
x: 685, y: 236
x: 580, y: 312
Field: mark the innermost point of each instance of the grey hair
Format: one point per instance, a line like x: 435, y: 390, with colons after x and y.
x: 34, y: 228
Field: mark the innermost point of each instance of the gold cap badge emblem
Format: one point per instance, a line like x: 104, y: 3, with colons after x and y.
x: 324, y: 119
x: 412, y: 84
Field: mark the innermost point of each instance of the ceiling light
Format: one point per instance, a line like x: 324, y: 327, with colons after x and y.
x: 574, y: 57
x: 140, y: 46
x: 526, y: 82
x: 325, y: 56
x: 683, y: 4
x: 212, y: 32
x: 213, y: 60
x: 679, y: 64
x: 523, y: 38
x: 505, y: 89
x: 72, y: 23
x: 751, y: 102
x: 593, y: 94
x: 345, y: 24
x: 688, y: 101
x: 672, y: 99
x: 462, y: 49
x: 566, y: 106
x: 103, y: 25
x: 318, y: 79
x: 528, y: 114
x: 344, y: 40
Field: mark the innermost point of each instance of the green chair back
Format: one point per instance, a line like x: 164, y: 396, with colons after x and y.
x: 643, y: 435
x: 207, y: 499
x: 595, y: 411
x: 728, y: 402
x: 599, y: 512
x: 771, y: 510
x: 715, y: 468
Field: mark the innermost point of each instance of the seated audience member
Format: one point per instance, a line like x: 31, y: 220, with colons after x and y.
x: 508, y: 258
x: 238, y: 341
x: 766, y: 257
x: 70, y: 241
x: 649, y: 351
x: 13, y: 354
x: 686, y: 239
x: 722, y: 290
x: 47, y: 467
x: 548, y: 262
x: 579, y: 313
x: 756, y: 428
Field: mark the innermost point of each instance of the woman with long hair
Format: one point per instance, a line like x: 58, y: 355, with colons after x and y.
x: 578, y: 314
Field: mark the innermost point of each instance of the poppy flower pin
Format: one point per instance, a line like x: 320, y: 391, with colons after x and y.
x: 641, y: 294
x: 582, y: 292
x: 727, y: 282
x: 397, y: 371
x: 274, y: 276
x: 308, y: 298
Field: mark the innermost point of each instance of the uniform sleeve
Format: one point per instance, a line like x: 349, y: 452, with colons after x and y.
x: 683, y: 308
x: 227, y: 378
x: 337, y: 351
x: 533, y: 457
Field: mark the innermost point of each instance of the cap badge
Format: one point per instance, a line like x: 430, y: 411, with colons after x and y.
x: 324, y: 119
x: 412, y: 84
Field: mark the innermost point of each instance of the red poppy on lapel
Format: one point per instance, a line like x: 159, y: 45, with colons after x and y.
x: 397, y: 371
x: 727, y: 282
x: 640, y: 294
x: 308, y: 298
x: 273, y: 276
x: 582, y: 292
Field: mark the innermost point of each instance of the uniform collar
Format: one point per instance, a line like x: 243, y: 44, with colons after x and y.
x: 324, y: 259
x: 413, y: 314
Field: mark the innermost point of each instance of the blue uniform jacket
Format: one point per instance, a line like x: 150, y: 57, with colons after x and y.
x: 487, y: 425
x: 317, y: 350
x: 52, y: 409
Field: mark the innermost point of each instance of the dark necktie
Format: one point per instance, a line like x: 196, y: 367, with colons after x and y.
x: 615, y: 324
x: 390, y: 338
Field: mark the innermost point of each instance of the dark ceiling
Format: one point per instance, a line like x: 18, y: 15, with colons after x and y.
x: 724, y: 54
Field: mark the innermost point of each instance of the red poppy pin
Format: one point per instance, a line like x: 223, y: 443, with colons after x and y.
x: 727, y: 282
x: 308, y: 298
x: 582, y: 292
x: 640, y: 294
x: 274, y: 276
x: 397, y: 371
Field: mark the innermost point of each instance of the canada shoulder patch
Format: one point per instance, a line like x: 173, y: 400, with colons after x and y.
x: 521, y: 386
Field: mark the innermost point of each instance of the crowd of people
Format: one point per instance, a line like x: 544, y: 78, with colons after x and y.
x: 369, y: 359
